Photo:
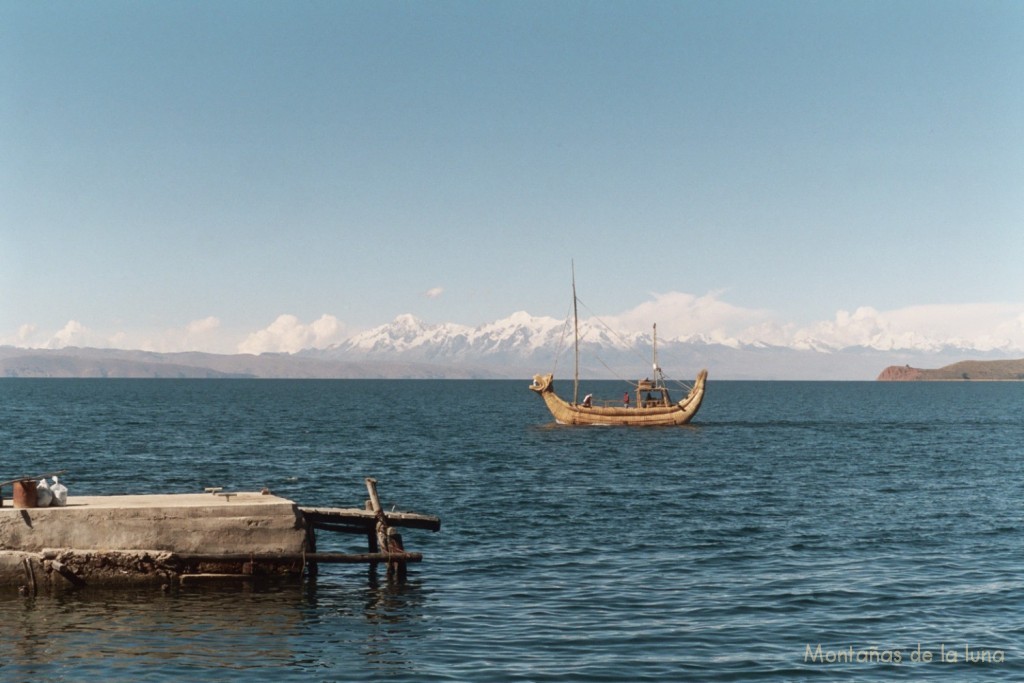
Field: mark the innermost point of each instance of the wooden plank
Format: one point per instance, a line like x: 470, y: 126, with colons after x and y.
x: 342, y: 528
x: 326, y: 558
x: 366, y: 518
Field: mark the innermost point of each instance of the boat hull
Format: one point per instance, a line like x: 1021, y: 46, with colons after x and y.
x: 572, y: 414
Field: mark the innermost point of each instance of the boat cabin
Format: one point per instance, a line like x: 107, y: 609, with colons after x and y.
x: 651, y: 395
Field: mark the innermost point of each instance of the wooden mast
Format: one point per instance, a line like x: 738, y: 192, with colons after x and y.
x: 576, y: 333
x: 654, y: 345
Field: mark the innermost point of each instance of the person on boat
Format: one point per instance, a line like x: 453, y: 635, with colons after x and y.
x: 625, y: 399
x: 587, y: 400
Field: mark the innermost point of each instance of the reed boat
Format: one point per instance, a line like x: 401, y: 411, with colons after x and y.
x: 652, y: 407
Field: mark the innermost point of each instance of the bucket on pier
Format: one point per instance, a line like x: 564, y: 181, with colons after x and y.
x: 25, y: 494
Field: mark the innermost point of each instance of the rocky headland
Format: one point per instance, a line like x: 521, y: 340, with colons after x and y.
x: 979, y: 370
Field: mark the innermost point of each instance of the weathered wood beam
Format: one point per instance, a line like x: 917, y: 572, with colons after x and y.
x: 343, y: 528
x: 367, y: 519
x: 327, y: 558
x: 381, y: 523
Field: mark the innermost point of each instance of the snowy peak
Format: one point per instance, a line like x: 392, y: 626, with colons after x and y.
x: 404, y: 333
x: 519, y: 333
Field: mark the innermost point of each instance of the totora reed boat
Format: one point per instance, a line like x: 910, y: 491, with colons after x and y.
x: 653, y: 405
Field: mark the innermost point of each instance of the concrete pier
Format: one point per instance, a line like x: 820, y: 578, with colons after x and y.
x: 178, y: 538
x: 186, y: 522
x: 142, y: 539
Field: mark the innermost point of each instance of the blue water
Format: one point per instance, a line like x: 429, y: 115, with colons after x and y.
x: 787, y: 516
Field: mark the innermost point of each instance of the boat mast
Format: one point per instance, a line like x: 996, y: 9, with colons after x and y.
x: 658, y: 381
x: 576, y: 331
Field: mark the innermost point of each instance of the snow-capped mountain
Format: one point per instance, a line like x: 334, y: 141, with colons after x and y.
x: 522, y: 345
x: 518, y: 336
x: 516, y: 347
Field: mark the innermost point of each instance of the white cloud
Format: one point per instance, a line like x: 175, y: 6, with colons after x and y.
x: 983, y: 327
x: 25, y: 334
x: 682, y: 316
x: 203, y: 334
x: 73, y: 333
x: 203, y: 326
x: 288, y: 334
x: 434, y: 292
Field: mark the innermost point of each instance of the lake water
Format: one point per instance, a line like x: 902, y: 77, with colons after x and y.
x: 881, y: 523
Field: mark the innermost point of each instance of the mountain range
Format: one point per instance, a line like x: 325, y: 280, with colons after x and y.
x: 516, y: 347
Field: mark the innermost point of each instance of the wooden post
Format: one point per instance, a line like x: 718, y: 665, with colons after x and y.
x: 371, y: 533
x: 381, y: 525
x: 396, y: 569
x: 312, y: 568
x: 384, y: 535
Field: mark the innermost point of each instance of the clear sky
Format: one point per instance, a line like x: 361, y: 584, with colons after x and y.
x: 226, y: 175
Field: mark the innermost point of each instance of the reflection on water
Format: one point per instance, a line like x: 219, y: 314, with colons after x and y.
x: 344, y: 622
x: 379, y: 622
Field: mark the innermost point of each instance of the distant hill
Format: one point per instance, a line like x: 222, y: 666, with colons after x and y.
x: 116, y: 363
x: 983, y: 370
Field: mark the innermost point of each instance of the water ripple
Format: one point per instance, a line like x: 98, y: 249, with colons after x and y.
x: 868, y: 516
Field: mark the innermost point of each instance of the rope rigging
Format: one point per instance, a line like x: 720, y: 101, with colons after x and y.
x: 682, y: 385
x: 561, y: 342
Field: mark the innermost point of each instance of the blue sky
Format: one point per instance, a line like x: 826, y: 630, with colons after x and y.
x: 255, y: 176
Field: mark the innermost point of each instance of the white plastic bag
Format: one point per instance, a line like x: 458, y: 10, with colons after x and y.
x: 43, y: 493
x: 60, y: 493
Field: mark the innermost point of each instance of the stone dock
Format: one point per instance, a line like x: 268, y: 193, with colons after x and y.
x: 168, y: 540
